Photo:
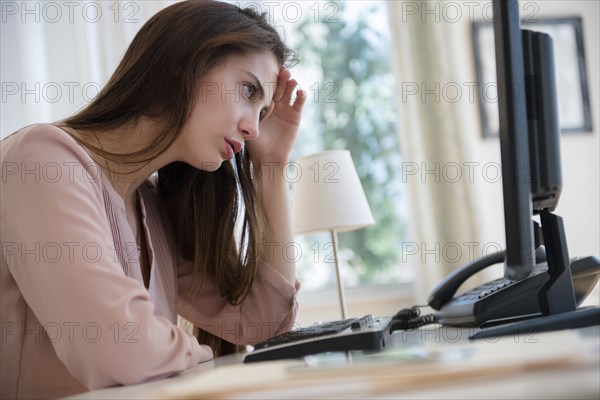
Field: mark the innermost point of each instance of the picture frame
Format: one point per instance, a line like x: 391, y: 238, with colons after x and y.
x: 571, y: 74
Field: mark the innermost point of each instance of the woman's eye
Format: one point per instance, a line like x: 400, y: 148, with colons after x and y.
x: 250, y: 91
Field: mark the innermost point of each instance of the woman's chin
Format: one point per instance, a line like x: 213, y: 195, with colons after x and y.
x: 208, y: 166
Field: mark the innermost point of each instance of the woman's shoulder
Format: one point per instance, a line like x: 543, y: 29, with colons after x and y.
x: 42, y: 142
x: 39, y: 133
x: 50, y: 158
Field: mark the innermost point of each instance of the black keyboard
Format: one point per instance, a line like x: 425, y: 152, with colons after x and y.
x: 366, y: 333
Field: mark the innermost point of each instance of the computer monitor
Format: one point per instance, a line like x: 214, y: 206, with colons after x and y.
x: 531, y: 176
x: 542, y: 120
x: 530, y: 173
x: 543, y: 293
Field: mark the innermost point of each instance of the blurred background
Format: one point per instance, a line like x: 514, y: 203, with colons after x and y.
x: 406, y: 86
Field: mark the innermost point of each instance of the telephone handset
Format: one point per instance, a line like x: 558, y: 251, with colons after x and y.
x: 501, y: 300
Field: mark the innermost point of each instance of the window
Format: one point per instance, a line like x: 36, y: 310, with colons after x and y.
x: 346, y: 70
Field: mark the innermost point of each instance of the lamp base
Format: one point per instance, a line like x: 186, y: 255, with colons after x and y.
x: 338, y: 276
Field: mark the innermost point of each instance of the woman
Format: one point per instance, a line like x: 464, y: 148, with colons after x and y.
x: 128, y: 213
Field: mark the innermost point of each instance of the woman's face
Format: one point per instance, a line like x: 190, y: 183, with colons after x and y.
x: 232, y: 99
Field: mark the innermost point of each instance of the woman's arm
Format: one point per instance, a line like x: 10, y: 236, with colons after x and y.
x: 271, y: 306
x: 68, y: 272
x: 272, y: 189
x: 271, y: 150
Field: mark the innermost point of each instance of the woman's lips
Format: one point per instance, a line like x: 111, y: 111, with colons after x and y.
x: 233, y: 147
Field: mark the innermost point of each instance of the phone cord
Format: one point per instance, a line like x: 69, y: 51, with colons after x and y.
x: 411, y: 318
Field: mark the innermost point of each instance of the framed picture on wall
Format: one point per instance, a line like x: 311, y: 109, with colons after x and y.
x: 571, y: 76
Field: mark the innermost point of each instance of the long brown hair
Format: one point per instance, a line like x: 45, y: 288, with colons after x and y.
x: 158, y: 77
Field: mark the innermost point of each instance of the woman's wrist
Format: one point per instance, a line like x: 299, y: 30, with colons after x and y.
x: 269, y: 172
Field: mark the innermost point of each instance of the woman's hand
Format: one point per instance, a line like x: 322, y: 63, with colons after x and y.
x: 277, y: 132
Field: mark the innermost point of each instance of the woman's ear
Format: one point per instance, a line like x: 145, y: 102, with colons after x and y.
x: 270, y: 111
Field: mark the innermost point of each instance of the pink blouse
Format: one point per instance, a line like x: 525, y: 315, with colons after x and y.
x: 75, y: 313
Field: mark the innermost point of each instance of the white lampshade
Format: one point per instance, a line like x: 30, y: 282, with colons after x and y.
x: 327, y: 195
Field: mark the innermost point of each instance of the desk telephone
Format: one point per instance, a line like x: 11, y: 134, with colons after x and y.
x: 500, y: 300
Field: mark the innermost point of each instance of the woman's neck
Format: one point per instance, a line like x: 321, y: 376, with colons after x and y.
x: 127, y: 178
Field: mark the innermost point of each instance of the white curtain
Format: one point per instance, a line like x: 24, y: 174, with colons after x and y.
x: 436, y: 127
x: 56, y: 55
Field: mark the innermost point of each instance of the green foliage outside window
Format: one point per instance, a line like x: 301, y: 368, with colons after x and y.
x: 344, y: 47
x: 352, y: 106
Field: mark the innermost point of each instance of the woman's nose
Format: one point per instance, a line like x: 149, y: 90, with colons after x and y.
x: 249, y: 127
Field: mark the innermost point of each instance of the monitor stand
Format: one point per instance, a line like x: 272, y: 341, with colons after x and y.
x: 556, y: 297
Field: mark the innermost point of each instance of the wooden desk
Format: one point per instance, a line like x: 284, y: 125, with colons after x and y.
x: 438, y: 362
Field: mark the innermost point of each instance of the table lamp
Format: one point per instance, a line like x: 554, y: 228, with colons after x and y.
x: 328, y: 196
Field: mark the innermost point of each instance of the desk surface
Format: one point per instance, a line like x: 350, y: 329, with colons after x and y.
x: 438, y: 362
